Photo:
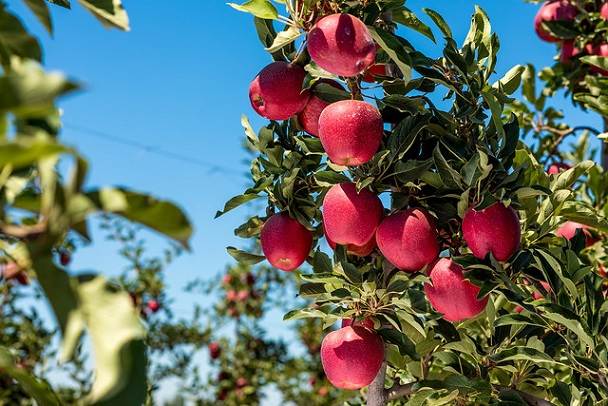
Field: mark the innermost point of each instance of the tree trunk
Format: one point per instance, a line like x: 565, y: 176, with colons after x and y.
x: 376, y: 395
x: 604, y: 148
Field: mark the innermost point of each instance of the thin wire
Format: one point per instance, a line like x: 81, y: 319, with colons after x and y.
x: 211, y: 167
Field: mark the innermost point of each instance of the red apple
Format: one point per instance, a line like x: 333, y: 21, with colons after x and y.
x: 372, y: 73
x: 323, y: 391
x: 65, y: 258
x: 408, y: 239
x: 243, y: 295
x: 568, y: 52
x: 558, y: 167
x: 367, y: 323
x: 285, y: 242
x: 451, y: 294
x: 350, y: 217
x: 249, y: 279
x: 214, y: 350
x: 601, y: 269
x: 598, y: 50
x: 604, y: 11
x: 241, y: 382
x: 341, y: 44
x: 359, y: 251
x: 153, y: 305
x: 352, y: 357
x: 560, y: 10
x: 494, y: 229
x: 568, y: 231
x: 276, y: 92
x: 309, y: 117
x: 351, y: 132
x: 231, y: 295
x: 227, y: 279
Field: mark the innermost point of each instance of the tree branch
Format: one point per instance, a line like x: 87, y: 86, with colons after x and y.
x: 399, y: 391
x: 376, y: 395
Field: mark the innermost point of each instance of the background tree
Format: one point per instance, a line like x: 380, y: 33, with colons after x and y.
x: 499, y: 319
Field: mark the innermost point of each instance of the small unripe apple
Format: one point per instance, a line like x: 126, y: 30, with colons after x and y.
x: 451, y: 294
x: 153, y: 305
x: 351, y: 132
x: 352, y: 357
x: 558, y: 167
x: 569, y: 228
x: 309, y: 117
x: 214, y: 350
x: 598, y: 50
x: 341, y: 44
x: 372, y: 73
x: 367, y: 323
x: 350, y: 217
x: 359, y: 251
x: 285, y: 242
x: 494, y: 229
x: 408, y: 239
x: 276, y: 92
x: 560, y: 10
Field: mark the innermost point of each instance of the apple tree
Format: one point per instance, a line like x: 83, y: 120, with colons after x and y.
x: 454, y: 267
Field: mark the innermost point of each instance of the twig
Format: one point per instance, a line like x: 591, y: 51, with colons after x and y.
x: 530, y: 399
x: 399, y: 391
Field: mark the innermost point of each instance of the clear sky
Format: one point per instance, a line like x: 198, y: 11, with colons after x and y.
x: 179, y: 81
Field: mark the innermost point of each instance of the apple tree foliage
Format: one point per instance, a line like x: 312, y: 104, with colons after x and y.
x: 453, y: 139
x: 45, y: 208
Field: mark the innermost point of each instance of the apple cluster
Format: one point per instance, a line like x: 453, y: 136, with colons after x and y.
x: 351, y: 132
x: 564, y: 11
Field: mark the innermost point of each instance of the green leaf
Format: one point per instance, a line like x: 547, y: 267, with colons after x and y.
x: 410, y: 20
x: 27, y: 88
x: 284, y: 38
x: 259, y: 8
x: 329, y: 178
x: 573, y: 325
x: 24, y: 152
x: 37, y: 388
x: 160, y: 215
x: 117, y: 335
x: 244, y: 257
x: 439, y: 22
x: 394, y: 49
x: 15, y: 40
x: 41, y: 11
x: 510, y: 82
x: 110, y: 13
x: 235, y: 202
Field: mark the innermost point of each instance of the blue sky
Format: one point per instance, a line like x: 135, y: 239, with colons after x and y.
x: 179, y: 81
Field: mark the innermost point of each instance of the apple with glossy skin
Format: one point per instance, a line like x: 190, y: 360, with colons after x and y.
x: 451, y: 294
x: 350, y: 217
x: 604, y: 11
x: 569, y: 228
x: 408, y: 239
x: 214, y: 350
x: 558, y: 167
x: 373, y: 72
x: 352, y: 357
x: 276, y: 92
x: 285, y: 242
x: 308, y: 118
x: 341, y: 44
x: 356, y: 250
x: 598, y: 50
x: 494, y: 229
x: 560, y: 10
x: 351, y: 132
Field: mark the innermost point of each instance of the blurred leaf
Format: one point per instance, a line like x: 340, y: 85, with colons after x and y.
x: 41, y: 11
x: 110, y: 13
x: 244, y: 257
x: 15, y: 39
